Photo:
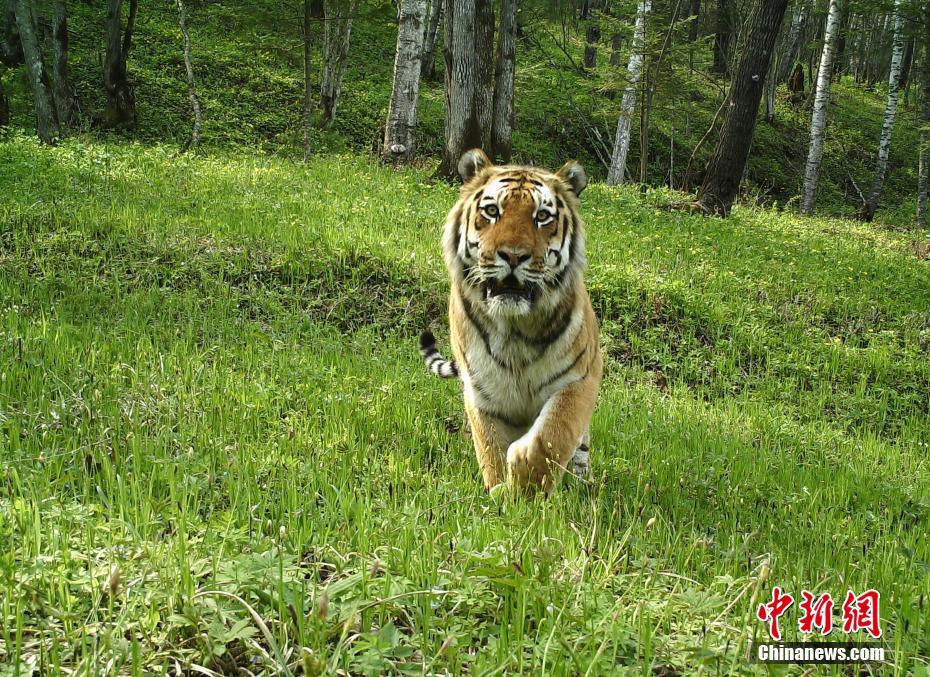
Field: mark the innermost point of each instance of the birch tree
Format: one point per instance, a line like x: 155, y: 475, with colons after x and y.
x: 504, y: 72
x: 884, y: 143
x: 821, y: 103
x: 189, y: 70
x: 46, y: 114
x: 725, y: 171
x: 337, y: 27
x: 621, y: 147
x: 400, y: 130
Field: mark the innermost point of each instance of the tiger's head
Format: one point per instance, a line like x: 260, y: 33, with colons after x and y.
x: 514, y: 242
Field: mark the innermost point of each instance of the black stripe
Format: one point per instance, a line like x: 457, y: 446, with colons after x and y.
x: 485, y: 338
x: 433, y: 360
x: 505, y: 419
x: 558, y: 256
x: 564, y: 232
x: 559, y: 323
x: 562, y: 373
x: 583, y: 447
x: 560, y: 202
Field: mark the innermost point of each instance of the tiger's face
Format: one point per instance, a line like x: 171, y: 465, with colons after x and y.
x: 514, y: 239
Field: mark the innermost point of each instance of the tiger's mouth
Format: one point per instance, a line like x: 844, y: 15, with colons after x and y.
x: 510, y: 288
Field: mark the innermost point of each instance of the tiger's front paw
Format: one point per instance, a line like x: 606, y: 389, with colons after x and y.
x: 528, y: 465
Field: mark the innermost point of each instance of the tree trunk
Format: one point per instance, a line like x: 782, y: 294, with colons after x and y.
x: 722, y: 38
x: 504, y: 71
x: 884, y: 143
x: 12, y: 52
x: 838, y: 59
x: 694, y: 16
x: 308, y: 86
x: 906, y: 62
x: 924, y: 163
x: 617, y: 170
x: 428, y: 63
x: 337, y: 27
x: 786, y: 62
x: 465, y: 49
x: 401, y: 128
x: 4, y: 107
x: 592, y: 37
x: 46, y: 115
x: 484, y: 46
x: 616, y: 45
x: 821, y: 102
x: 721, y: 184
x: 121, y: 103
x: 62, y: 91
x: 189, y: 70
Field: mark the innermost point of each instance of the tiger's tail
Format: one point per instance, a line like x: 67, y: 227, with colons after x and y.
x: 434, y: 361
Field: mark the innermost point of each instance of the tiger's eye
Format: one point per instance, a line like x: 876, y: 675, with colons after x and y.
x: 543, y: 217
x: 491, y: 211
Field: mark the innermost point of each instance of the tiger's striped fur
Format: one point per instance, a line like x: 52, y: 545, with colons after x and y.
x: 524, y: 334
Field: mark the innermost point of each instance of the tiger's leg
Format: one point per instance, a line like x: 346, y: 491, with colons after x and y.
x: 538, y: 458
x: 581, y: 461
x: 491, y: 442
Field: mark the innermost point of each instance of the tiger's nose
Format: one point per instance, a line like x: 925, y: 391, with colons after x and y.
x: 514, y: 258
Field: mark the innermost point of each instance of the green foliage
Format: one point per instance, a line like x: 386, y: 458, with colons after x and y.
x: 248, y: 64
x: 211, y: 403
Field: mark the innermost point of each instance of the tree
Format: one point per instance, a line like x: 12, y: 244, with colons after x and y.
x: 337, y: 27
x: 821, y: 102
x: 308, y: 86
x: 4, y: 104
x: 592, y: 37
x: 722, y: 38
x: 924, y: 163
x: 121, y: 103
x: 46, y: 114
x: 428, y: 63
x: 12, y: 48
x: 891, y: 107
x: 400, y: 130
x: 621, y: 147
x: 725, y: 171
x: 504, y: 73
x: 62, y: 91
x: 189, y: 70
x: 467, y: 49
x: 694, y: 14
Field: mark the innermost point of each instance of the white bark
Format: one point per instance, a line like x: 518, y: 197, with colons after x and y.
x: 821, y: 102
x: 617, y: 169
x: 884, y: 144
x: 189, y: 69
x: 400, y: 130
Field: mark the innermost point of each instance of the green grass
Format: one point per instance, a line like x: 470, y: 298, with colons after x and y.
x: 209, y: 383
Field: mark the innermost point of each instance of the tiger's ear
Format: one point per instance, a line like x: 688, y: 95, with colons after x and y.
x: 472, y: 162
x: 573, y: 174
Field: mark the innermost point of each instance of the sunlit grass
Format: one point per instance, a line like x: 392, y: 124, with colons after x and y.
x: 209, y: 383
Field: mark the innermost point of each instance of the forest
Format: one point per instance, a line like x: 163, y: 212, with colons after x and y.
x: 220, y: 239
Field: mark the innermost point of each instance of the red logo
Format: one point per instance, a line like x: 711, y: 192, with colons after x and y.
x: 861, y: 613
x: 818, y: 613
x: 774, y: 610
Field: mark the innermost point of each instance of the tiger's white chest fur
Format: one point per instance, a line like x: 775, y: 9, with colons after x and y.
x: 508, y: 375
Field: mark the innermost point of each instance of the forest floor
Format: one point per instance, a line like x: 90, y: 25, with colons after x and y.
x: 221, y: 449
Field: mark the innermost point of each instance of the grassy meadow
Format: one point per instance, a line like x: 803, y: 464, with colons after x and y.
x: 221, y: 451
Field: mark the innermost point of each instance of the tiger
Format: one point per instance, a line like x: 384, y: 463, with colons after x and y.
x: 524, y: 335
